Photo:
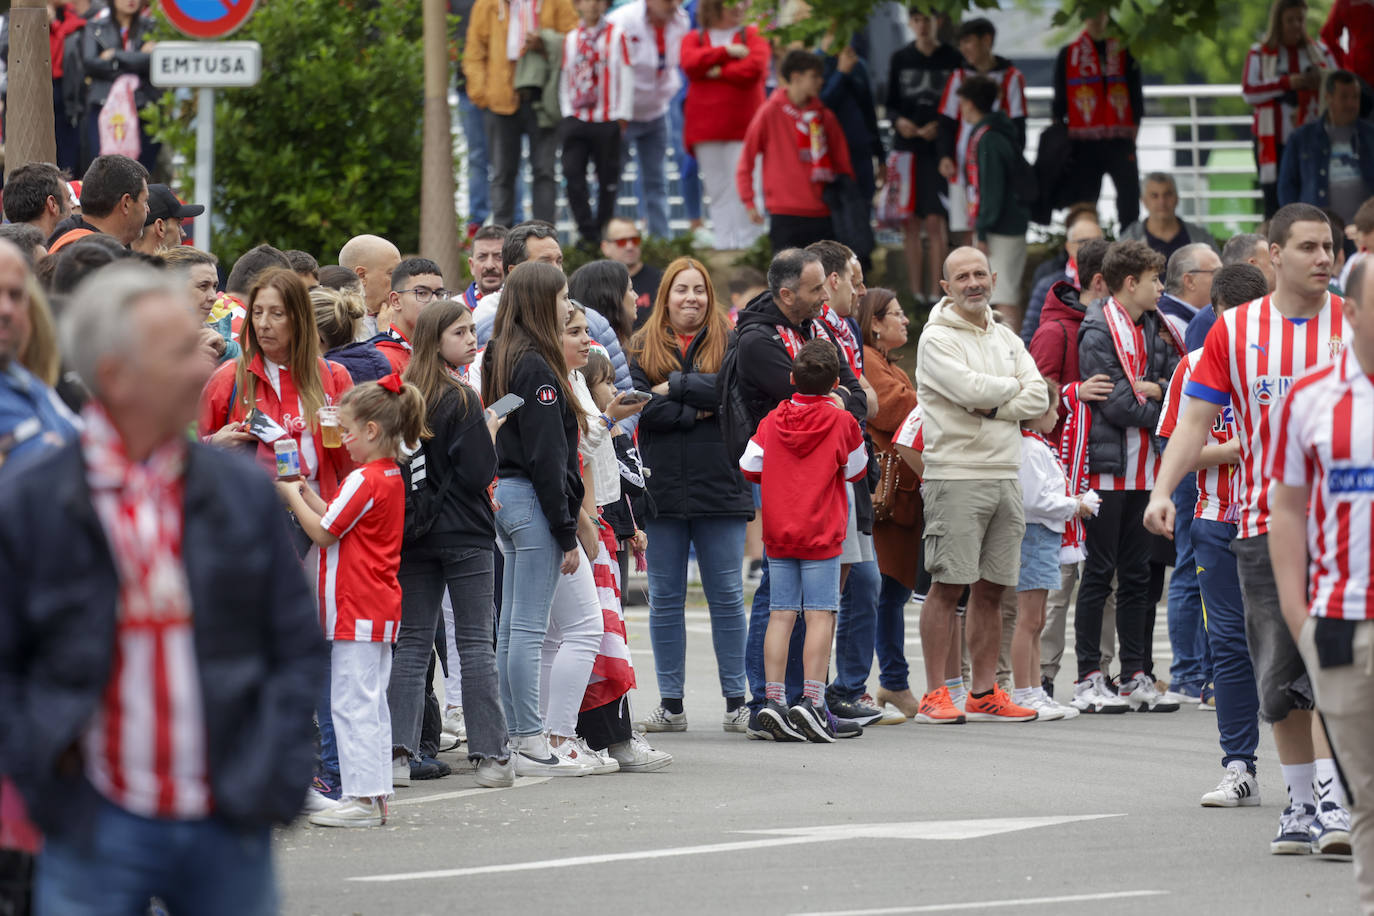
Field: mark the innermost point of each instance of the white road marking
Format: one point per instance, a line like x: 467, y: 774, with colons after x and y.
x: 787, y: 836
x: 524, y: 782
x: 988, y: 904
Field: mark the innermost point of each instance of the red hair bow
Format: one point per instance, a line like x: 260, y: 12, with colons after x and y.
x: 391, y: 382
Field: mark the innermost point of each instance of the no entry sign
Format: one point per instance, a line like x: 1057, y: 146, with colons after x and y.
x: 207, y: 18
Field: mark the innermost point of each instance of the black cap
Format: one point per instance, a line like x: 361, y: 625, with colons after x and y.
x: 163, y: 204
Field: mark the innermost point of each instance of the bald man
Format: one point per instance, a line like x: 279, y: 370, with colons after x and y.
x: 373, y: 259
x: 975, y: 382
x: 32, y: 417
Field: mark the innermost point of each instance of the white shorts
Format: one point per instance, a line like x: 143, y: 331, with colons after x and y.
x: 857, y: 548
x: 957, y: 205
x: 1007, y: 258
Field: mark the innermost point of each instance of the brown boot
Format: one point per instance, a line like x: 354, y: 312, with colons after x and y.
x: 904, y: 700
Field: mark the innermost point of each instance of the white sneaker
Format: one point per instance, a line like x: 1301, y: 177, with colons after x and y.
x: 400, y: 771
x: 314, y: 802
x: 455, y: 730
x: 492, y: 774
x: 736, y: 722
x: 1238, y: 789
x: 1142, y: 695
x: 661, y: 720
x: 352, y: 812
x: 1069, y: 712
x: 636, y: 756
x: 1093, y: 695
x: 602, y: 763
x: 534, y: 757
x: 1046, y: 710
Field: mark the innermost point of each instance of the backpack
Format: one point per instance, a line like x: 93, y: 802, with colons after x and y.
x: 424, y: 497
x: 736, y: 421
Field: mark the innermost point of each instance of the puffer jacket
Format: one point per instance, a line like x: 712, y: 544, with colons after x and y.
x: 1120, y: 410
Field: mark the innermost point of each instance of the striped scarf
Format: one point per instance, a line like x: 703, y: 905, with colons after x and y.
x: 1073, y: 457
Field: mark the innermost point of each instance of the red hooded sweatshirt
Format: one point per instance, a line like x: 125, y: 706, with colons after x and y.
x: 802, y: 454
x: 794, y: 162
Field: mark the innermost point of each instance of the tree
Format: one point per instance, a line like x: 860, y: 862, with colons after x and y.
x: 31, y: 137
x: 438, y: 221
x: 328, y: 144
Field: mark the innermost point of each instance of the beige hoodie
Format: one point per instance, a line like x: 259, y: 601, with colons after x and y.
x: 960, y: 368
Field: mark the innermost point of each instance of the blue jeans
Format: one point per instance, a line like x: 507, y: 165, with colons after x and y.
x: 689, y: 184
x: 804, y: 585
x: 890, y: 638
x: 1192, y: 666
x: 856, y: 632
x: 479, y: 181
x: 1224, y: 614
x: 528, y: 582
x: 719, y: 544
x: 202, y: 866
x: 329, y: 747
x: 649, y: 140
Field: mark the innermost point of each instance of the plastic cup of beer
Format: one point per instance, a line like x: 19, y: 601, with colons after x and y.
x: 331, y: 434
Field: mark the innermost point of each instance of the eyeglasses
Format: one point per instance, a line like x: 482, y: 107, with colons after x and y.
x: 424, y: 294
x: 1202, y: 271
x: 626, y: 242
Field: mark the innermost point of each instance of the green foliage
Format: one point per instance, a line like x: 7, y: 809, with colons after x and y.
x: 654, y: 251
x: 758, y: 256
x: 328, y: 144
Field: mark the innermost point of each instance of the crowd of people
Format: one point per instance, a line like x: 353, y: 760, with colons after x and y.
x: 437, y: 494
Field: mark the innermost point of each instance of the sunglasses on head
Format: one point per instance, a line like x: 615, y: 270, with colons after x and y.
x: 627, y: 241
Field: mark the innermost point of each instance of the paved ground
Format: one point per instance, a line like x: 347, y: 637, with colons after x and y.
x: 1091, y: 816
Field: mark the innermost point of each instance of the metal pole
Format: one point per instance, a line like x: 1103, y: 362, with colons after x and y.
x: 205, y: 164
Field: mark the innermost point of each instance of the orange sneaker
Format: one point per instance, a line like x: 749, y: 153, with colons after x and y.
x: 938, y: 709
x: 996, y: 707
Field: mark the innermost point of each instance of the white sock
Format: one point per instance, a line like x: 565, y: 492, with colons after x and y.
x: 1327, y: 782
x: 1298, y: 778
x: 1022, y: 696
x: 1042, y: 695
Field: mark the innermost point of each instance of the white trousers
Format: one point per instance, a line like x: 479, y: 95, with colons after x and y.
x: 716, y: 163
x: 453, y: 683
x: 570, y: 649
x: 358, y: 679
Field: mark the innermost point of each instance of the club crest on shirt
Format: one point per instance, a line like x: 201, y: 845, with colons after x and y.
x: 547, y: 394
x: 1335, y: 345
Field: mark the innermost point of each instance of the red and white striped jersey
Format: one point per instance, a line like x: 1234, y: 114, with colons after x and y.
x: 1264, y: 84
x: 1142, y: 464
x: 910, y: 433
x: 598, y: 86
x: 1324, y: 442
x: 1250, y: 359
x: 360, y: 599
x: 1011, y: 99
x: 1213, y: 484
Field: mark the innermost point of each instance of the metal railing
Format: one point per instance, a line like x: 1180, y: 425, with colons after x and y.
x: 1201, y: 134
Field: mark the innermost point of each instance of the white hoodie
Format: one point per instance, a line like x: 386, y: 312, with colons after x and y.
x: 960, y: 368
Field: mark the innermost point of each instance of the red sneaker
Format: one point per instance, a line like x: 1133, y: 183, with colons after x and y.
x: 938, y: 709
x: 996, y: 707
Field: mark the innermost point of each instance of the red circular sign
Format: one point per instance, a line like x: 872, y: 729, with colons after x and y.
x: 207, y: 18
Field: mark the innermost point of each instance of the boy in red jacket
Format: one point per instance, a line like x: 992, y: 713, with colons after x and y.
x: 803, y: 149
x: 812, y: 446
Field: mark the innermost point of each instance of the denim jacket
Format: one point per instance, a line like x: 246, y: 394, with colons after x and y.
x: 1307, y: 159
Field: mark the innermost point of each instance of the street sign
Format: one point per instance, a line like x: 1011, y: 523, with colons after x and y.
x: 206, y: 64
x: 207, y: 18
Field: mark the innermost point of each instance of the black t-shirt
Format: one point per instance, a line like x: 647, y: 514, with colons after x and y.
x: 1174, y: 244
x: 914, y: 86
x: 645, y: 284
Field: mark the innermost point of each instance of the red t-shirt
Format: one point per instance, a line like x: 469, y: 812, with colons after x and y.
x: 360, y: 599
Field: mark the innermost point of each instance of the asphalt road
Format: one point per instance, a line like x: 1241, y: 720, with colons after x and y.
x: 1095, y: 815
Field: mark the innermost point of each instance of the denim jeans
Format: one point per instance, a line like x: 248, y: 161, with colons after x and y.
x: 466, y: 573
x: 804, y: 585
x: 479, y: 179
x: 532, y: 558
x: 719, y: 544
x: 856, y: 632
x: 1233, y: 676
x: 890, y: 637
x: 503, y: 153
x: 1192, y: 666
x: 649, y: 140
x: 205, y: 866
x: 689, y: 183
x: 753, y: 651
x: 329, y: 747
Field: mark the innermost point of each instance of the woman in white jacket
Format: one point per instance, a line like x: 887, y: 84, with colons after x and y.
x: 1048, y: 508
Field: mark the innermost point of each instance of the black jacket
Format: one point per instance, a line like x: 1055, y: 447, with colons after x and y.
x: 1120, y: 411
x: 462, y: 454
x: 765, y: 368
x: 539, y: 443
x: 102, y: 34
x: 361, y: 359
x: 691, y: 474
x: 259, y: 651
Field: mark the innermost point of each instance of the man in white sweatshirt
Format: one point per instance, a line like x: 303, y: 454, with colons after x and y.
x: 975, y: 382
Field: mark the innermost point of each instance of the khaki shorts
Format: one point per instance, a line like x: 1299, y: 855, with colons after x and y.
x: 973, y: 531
x: 1007, y: 259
